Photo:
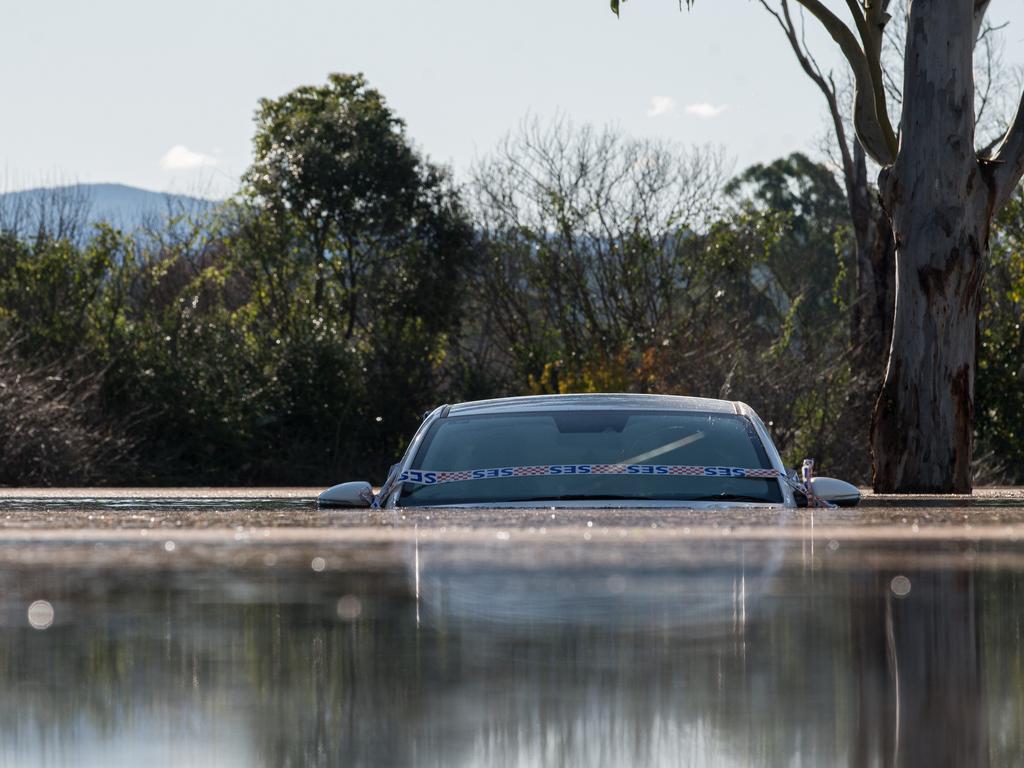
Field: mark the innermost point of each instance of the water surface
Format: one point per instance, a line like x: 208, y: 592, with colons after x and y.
x: 189, y: 631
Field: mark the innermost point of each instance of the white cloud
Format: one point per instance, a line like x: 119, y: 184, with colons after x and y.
x: 705, y: 110
x: 181, y: 158
x: 661, y: 105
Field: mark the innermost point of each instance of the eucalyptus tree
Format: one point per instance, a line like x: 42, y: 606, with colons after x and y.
x: 873, y: 257
x: 941, y: 193
x: 873, y: 249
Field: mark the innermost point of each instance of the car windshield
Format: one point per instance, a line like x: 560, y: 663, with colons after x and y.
x: 618, y: 442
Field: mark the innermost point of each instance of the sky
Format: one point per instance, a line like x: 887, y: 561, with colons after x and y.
x: 162, y: 95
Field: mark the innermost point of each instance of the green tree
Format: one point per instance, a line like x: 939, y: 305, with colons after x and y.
x: 336, y: 160
x: 295, y: 336
x: 807, y: 275
x: 809, y: 257
x: 356, y: 249
x: 1000, y: 398
x: 942, y: 193
x: 52, y: 291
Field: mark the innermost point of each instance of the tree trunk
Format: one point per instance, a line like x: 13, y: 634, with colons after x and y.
x: 882, y: 257
x: 918, y: 675
x: 935, y: 663
x: 940, y: 204
x: 874, y: 267
x: 875, y: 271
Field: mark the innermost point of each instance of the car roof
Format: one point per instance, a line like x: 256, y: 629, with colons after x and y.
x: 623, y: 401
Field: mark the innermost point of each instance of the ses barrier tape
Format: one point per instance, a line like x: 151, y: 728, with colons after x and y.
x: 432, y: 477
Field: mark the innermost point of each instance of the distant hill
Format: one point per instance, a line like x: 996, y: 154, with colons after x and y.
x: 80, y: 206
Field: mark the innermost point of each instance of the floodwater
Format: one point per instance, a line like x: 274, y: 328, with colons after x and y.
x: 251, y: 629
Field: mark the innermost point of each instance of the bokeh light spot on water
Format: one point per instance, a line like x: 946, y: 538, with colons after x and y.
x: 349, y: 607
x: 318, y: 564
x: 833, y: 545
x: 170, y: 546
x: 900, y: 586
x: 616, y: 584
x: 40, y: 614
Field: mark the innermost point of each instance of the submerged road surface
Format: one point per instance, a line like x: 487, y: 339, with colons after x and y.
x: 212, y: 627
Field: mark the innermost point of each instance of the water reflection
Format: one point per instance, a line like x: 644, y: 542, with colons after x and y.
x: 738, y: 662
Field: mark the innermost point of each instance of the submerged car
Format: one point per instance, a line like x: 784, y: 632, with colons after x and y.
x: 592, y: 451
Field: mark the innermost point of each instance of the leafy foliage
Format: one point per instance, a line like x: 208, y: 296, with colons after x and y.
x: 296, y: 334
x: 999, y: 387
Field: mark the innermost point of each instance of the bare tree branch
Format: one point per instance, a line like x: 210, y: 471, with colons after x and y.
x: 872, y: 31
x: 1008, y: 160
x: 871, y: 119
x: 983, y: 93
x: 980, y: 7
x: 813, y: 71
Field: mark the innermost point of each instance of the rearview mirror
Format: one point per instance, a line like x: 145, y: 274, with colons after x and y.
x: 354, y: 494
x: 838, y: 492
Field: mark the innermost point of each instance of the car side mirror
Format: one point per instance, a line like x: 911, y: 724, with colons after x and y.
x: 354, y: 494
x: 838, y: 492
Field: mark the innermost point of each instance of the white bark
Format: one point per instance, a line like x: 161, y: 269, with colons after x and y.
x: 940, y: 202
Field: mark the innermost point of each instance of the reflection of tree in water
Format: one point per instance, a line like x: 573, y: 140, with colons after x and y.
x: 201, y: 653
x: 937, y: 663
x: 999, y: 600
x: 613, y: 667
x: 919, y: 694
